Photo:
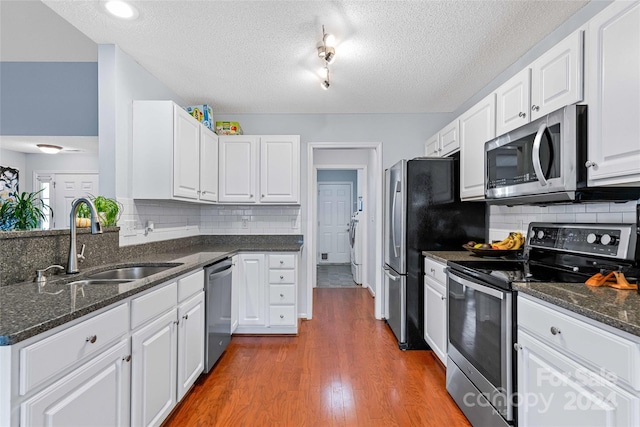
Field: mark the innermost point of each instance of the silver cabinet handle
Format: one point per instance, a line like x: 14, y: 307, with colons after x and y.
x: 555, y: 331
x: 185, y: 317
x: 535, y: 108
x: 517, y: 347
x: 521, y: 114
x: 590, y: 164
x: 281, y: 295
x: 92, y: 339
x: 281, y: 277
x: 442, y: 297
x: 127, y: 358
x: 433, y: 270
x: 281, y: 262
x: 282, y: 316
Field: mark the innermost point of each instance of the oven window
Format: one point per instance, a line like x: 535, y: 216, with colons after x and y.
x: 475, y: 329
x: 512, y: 163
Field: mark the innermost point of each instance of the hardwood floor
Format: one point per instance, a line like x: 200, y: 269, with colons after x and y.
x: 343, y: 369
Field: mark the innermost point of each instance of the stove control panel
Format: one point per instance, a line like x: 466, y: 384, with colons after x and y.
x: 608, y: 240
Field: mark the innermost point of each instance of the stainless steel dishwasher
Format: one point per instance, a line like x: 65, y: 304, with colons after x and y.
x: 218, y: 311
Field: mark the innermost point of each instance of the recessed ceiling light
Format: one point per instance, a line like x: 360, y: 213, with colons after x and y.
x: 121, y: 9
x: 49, y: 149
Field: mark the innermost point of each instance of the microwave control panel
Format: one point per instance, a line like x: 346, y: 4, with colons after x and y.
x: 595, y: 239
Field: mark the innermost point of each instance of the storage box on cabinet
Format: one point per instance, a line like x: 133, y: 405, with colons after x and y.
x: 44, y: 359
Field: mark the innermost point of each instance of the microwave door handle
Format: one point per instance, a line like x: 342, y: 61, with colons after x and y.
x: 393, y: 219
x: 536, y: 155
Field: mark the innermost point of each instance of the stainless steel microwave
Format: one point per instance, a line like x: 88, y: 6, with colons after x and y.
x: 544, y: 162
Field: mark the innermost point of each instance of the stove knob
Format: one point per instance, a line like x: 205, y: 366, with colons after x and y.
x: 591, y: 238
x: 540, y: 234
x: 607, y: 239
x: 575, y: 269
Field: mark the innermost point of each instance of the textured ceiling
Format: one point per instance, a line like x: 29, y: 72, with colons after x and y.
x: 260, y: 56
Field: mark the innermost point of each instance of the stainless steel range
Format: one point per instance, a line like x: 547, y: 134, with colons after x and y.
x: 481, y: 368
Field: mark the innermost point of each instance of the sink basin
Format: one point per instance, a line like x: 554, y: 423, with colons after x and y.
x: 99, y: 282
x: 132, y: 272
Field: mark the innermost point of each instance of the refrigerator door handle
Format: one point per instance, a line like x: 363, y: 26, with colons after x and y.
x: 393, y: 218
x: 389, y: 275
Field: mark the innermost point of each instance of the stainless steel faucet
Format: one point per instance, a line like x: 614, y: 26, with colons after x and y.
x: 96, y: 228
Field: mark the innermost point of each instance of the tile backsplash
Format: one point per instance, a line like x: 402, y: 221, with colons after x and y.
x: 172, y: 220
x: 503, y: 219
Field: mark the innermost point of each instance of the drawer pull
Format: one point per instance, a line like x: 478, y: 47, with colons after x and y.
x: 442, y: 297
x: 127, y: 358
x: 282, y: 316
x: 281, y: 295
x: 281, y: 262
x: 92, y: 339
x: 554, y: 330
x: 281, y: 277
x: 433, y: 270
x: 186, y: 316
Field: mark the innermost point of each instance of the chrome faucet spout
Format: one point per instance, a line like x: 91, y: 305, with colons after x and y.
x: 96, y: 228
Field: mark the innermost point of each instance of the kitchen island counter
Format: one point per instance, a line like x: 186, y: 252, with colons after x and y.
x: 26, y: 310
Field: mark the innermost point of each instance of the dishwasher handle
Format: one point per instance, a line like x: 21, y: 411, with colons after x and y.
x: 219, y: 269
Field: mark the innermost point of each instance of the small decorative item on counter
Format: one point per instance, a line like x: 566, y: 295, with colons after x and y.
x: 203, y: 113
x: 512, y: 243
x: 614, y: 279
x: 228, y: 128
x: 109, y: 211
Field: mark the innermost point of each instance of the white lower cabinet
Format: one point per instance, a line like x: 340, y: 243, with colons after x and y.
x: 561, y: 384
x: 267, y: 293
x: 435, y: 307
x: 190, y: 342
x: 153, y: 388
x: 95, y: 394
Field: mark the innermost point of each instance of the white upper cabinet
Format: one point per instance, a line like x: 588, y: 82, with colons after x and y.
x: 444, y: 142
x: 279, y: 169
x: 513, y: 101
x: 613, y: 84
x: 172, y: 154
x: 259, y: 169
x: 477, y: 126
x: 238, y: 168
x: 556, y: 76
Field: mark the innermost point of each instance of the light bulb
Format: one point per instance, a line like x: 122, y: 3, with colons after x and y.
x: 121, y: 9
x: 329, y: 40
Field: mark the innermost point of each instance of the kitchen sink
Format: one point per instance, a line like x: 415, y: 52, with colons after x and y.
x: 99, y: 282
x: 131, y: 272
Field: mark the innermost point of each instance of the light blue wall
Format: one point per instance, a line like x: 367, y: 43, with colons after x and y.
x: 341, y: 175
x: 49, y: 98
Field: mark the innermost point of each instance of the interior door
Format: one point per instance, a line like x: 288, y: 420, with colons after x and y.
x: 334, y: 216
x: 67, y: 187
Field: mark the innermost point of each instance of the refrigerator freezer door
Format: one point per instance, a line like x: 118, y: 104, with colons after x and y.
x: 395, y: 240
x: 397, y: 315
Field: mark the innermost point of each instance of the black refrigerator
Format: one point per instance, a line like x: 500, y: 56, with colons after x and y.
x: 423, y: 212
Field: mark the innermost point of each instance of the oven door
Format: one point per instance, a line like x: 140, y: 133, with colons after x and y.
x: 537, y: 158
x: 480, y: 338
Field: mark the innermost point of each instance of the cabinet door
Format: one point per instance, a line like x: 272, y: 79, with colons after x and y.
x: 477, y: 126
x: 435, y: 318
x: 513, y: 101
x: 96, y: 394
x: 186, y: 155
x: 614, y: 92
x: 251, y: 289
x: 554, y: 390
x: 280, y: 169
x: 432, y: 146
x: 153, y: 376
x: 208, y: 165
x: 449, y: 138
x: 238, y: 168
x: 556, y: 77
x: 190, y: 343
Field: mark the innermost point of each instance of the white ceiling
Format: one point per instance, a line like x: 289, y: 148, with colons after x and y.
x: 260, y: 56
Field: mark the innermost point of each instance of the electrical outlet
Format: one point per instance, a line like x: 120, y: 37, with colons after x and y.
x: 293, y: 223
x: 245, y: 222
x: 129, y: 228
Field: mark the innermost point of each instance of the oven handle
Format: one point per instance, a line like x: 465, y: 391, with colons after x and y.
x: 477, y: 286
x: 537, y: 166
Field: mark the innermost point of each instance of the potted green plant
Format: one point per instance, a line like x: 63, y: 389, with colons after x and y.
x: 24, y: 211
x: 109, y: 210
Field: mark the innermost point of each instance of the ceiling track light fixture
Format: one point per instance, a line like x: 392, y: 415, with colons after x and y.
x: 327, y: 53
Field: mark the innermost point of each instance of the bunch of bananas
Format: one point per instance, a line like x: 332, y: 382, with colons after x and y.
x: 514, y: 241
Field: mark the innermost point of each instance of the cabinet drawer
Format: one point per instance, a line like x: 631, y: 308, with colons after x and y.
x: 602, y: 350
x: 282, y: 261
x: 435, y: 270
x: 282, y: 294
x: 148, y: 306
x: 282, y: 276
x: 284, y: 315
x: 190, y: 285
x: 44, y: 359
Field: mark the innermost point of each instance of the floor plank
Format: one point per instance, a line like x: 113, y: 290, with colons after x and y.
x: 343, y: 369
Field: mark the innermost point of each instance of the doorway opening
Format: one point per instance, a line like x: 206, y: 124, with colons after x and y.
x: 366, y: 160
x: 59, y: 191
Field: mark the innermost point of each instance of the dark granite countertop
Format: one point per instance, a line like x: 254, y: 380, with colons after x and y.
x: 616, y: 308
x: 444, y: 256
x: 26, y: 312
